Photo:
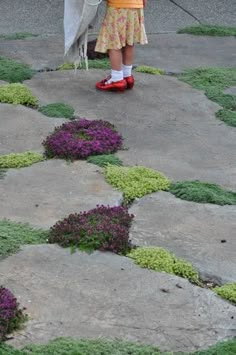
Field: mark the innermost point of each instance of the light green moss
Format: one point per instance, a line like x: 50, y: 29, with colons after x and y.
x: 149, y: 70
x: 209, y: 30
x: 17, y: 94
x: 104, y: 160
x: 57, y: 110
x: 159, y: 259
x: 135, y: 182
x: 227, y: 291
x: 203, y: 192
x: 92, y: 63
x: 14, y: 72
x: 19, y: 160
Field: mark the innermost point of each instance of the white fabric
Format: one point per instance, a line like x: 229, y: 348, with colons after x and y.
x: 78, y: 15
x: 116, y: 75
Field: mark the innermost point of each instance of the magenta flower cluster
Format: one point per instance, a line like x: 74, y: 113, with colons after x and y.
x: 10, y: 314
x: 81, y: 138
x: 102, y: 228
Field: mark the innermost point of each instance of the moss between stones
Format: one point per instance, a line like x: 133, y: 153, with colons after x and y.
x: 209, y: 30
x: 18, y: 35
x: 14, y: 235
x: 135, y: 182
x: 214, y: 81
x: 227, y: 116
x: 104, y: 160
x: 159, y: 259
x: 13, y: 71
x: 20, y: 160
x: 68, y: 346
x: 227, y: 291
x: 57, y: 110
x: 149, y: 70
x: 93, y: 64
x: 202, y: 192
x: 17, y: 94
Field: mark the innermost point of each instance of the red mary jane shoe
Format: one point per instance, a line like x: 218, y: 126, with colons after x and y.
x: 104, y: 85
x: 129, y: 81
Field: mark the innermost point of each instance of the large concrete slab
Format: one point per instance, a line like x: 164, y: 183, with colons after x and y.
x: 172, y: 52
x: 166, y: 124
x: 48, y: 191
x: 22, y: 128
x: 203, y: 234
x: 105, y: 295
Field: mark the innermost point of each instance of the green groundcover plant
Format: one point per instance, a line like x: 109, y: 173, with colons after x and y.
x: 14, y: 72
x: 18, y: 35
x: 57, y: 110
x: 227, y: 291
x: 214, y: 81
x: 20, y: 160
x: 149, y: 70
x: 104, y: 160
x: 92, y: 63
x: 159, y: 259
x: 135, y: 182
x: 14, y: 235
x: 68, y: 346
x: 17, y: 94
x: 209, y: 30
x: 102, y: 228
x: 202, y: 192
x: 11, y: 316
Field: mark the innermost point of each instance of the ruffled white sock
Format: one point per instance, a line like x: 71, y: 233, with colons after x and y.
x: 116, y: 75
x: 127, y: 70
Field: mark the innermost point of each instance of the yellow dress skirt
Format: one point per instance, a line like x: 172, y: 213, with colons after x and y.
x: 121, y: 27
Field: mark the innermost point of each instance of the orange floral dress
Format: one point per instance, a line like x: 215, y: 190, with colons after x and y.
x: 121, y: 26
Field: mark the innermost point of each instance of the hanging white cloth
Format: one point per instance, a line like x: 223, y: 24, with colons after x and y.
x: 78, y: 16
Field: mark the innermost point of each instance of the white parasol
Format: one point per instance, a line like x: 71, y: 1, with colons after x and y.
x: 78, y: 16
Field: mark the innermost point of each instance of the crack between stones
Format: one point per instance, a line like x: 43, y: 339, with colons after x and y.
x: 186, y: 11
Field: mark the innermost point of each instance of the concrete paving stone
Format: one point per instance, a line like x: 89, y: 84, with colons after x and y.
x: 22, y: 129
x: 231, y: 91
x: 220, y: 12
x: 167, y: 125
x: 48, y: 191
x: 171, y: 52
x: 106, y: 295
x: 192, y: 231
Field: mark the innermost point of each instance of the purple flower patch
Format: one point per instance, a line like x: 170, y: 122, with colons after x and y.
x: 10, y: 314
x: 102, y: 228
x: 81, y: 138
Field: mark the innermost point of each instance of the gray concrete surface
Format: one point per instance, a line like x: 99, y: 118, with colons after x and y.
x: 172, y: 52
x: 22, y: 129
x: 105, y: 295
x: 51, y: 190
x: 46, y: 16
x: 192, y: 231
x: 166, y: 124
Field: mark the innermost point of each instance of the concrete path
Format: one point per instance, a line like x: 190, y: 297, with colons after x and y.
x: 106, y: 295
x: 167, y: 126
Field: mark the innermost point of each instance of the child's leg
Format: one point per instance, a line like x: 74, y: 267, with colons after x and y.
x: 127, y: 60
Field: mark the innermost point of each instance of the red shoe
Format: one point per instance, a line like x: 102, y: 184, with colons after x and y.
x: 104, y: 85
x: 129, y: 81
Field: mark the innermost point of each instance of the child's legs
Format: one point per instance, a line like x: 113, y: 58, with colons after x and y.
x: 115, y: 56
x: 128, y: 55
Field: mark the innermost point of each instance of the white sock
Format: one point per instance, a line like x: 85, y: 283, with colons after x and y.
x: 127, y: 69
x: 116, y: 75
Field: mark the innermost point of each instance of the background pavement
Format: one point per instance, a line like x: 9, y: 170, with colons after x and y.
x: 46, y: 16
